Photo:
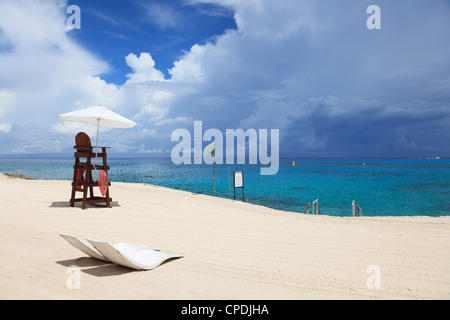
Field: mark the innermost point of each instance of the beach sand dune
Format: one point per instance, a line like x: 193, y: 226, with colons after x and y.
x: 232, y: 250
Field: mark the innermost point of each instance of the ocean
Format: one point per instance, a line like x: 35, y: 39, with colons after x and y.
x: 381, y: 187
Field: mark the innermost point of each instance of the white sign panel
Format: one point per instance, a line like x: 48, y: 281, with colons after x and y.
x: 238, y: 179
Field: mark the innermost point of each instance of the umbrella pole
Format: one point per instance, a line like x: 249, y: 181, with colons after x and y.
x: 96, y: 149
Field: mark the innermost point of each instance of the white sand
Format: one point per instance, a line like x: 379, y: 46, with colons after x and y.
x: 233, y: 250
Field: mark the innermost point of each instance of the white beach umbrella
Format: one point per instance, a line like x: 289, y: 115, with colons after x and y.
x: 99, y: 116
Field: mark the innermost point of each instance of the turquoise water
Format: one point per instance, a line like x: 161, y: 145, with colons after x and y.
x: 380, y: 187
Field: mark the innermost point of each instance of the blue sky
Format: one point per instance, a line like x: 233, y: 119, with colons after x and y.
x: 310, y: 68
x: 164, y: 28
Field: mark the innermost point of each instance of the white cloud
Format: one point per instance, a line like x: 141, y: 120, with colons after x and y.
x: 96, y: 91
x: 304, y: 68
x: 143, y: 69
x: 156, y: 113
x: 41, y: 65
x: 69, y: 127
x: 6, y: 98
x: 308, y: 68
x: 143, y: 150
x: 5, y: 127
x: 163, y: 16
x: 41, y: 53
x: 189, y: 67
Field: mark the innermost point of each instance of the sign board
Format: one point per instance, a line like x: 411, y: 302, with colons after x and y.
x: 238, y: 178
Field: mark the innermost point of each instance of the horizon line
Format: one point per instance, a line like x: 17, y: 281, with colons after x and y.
x: 45, y: 156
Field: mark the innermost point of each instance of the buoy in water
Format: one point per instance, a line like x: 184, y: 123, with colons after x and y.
x: 293, y: 163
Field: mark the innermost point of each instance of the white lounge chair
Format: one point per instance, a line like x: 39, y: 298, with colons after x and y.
x: 83, y: 247
x: 126, y: 255
x: 88, y: 249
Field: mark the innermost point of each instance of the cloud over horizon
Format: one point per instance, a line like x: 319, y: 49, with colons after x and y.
x: 311, y: 69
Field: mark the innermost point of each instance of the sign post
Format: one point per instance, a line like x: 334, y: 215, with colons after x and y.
x: 238, y: 179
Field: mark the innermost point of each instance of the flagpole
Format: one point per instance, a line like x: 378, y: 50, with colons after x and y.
x: 210, y: 149
x: 229, y: 183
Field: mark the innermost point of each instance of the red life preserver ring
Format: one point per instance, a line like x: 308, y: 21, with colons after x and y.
x: 103, y: 181
x: 79, y: 181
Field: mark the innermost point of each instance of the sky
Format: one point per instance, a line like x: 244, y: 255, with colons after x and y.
x: 311, y: 69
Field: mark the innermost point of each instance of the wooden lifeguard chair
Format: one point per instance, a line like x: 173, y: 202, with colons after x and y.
x: 82, y: 173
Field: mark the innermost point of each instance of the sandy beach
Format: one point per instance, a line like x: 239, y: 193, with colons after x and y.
x: 232, y: 250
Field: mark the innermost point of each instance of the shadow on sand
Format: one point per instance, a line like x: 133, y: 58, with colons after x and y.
x: 96, y: 267
x: 66, y: 204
